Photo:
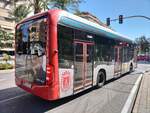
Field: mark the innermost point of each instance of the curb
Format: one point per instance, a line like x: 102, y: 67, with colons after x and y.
x: 127, y: 108
x: 7, y: 71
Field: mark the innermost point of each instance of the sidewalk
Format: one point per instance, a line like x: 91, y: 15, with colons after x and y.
x: 6, y: 71
x: 142, y: 103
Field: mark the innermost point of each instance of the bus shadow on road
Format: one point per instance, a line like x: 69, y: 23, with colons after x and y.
x: 16, y: 100
x: 9, y: 93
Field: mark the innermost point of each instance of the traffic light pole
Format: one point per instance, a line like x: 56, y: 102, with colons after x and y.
x: 127, y: 17
x: 136, y: 16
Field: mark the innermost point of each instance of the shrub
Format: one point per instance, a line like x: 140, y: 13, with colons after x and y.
x: 6, y: 57
x: 6, y: 66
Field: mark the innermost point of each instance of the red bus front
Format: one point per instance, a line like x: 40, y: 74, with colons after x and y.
x: 36, y: 64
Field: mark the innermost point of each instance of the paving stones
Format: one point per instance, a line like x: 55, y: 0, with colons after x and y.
x: 142, y: 103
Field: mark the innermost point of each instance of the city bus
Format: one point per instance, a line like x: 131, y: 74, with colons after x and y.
x: 58, y: 54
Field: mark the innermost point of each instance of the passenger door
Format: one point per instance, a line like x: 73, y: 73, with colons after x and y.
x: 118, y: 61
x: 83, y: 65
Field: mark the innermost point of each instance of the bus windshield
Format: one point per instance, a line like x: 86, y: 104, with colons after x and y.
x: 31, y: 50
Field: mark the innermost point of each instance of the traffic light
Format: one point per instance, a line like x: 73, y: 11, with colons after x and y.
x: 120, y: 19
x: 108, y: 21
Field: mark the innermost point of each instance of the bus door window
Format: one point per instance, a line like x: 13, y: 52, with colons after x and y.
x: 78, y: 77
x: 89, y: 63
x: 83, y: 64
x: 117, y: 65
x: 117, y: 54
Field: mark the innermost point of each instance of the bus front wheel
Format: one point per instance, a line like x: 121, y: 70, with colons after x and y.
x: 101, y: 79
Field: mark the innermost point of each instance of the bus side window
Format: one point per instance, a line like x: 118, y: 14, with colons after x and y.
x: 104, y: 53
x: 65, y: 46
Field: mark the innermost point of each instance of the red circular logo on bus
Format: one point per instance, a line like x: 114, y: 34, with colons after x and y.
x: 65, y: 81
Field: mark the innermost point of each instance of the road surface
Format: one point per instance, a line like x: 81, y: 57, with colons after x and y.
x: 108, y: 99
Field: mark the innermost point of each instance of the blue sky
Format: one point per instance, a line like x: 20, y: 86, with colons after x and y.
x: 134, y: 27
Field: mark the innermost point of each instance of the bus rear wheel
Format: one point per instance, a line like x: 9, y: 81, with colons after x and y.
x: 101, y: 79
x: 131, y: 68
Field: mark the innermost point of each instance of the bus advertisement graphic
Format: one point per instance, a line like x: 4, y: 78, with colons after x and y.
x: 66, y: 82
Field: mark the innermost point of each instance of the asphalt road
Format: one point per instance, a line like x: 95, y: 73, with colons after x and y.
x: 108, y: 99
x: 7, y: 79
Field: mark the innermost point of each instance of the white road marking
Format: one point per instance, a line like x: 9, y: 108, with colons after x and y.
x: 131, y: 98
x: 2, y: 101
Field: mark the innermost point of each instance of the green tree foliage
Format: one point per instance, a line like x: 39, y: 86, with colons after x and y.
x: 143, y: 44
x: 66, y: 4
x: 6, y: 57
x: 4, y: 35
x: 21, y: 12
x: 39, y: 5
x: 7, y: 37
x: 78, y: 12
x: 1, y: 34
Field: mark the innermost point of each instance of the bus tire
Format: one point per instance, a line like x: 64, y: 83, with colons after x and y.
x: 131, y: 68
x: 101, y: 78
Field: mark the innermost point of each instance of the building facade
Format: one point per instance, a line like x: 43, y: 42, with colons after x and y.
x: 7, y: 23
x: 7, y: 27
x: 92, y: 18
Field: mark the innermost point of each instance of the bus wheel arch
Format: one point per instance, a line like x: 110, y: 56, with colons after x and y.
x: 101, y: 78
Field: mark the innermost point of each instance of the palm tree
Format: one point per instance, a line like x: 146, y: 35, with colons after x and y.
x: 36, y: 5
x: 39, y: 5
x: 21, y: 12
x: 65, y: 4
